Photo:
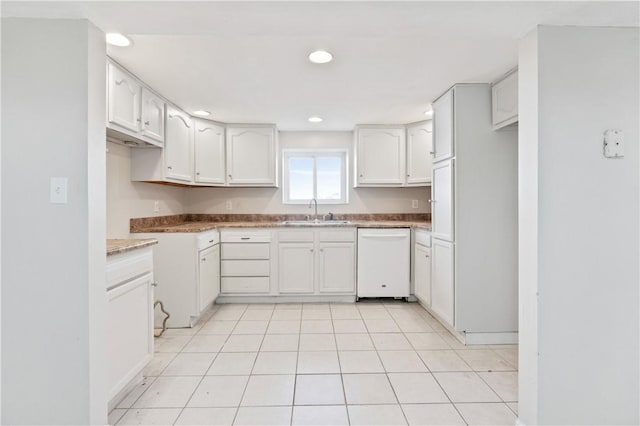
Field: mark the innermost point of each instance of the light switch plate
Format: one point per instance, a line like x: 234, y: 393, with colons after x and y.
x: 58, y: 193
x: 614, y: 143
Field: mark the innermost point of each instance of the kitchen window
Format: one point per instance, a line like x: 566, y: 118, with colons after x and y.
x: 315, y: 174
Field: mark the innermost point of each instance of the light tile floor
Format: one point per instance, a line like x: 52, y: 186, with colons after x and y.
x: 367, y: 363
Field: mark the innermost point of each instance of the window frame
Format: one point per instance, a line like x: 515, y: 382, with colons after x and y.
x: 314, y: 153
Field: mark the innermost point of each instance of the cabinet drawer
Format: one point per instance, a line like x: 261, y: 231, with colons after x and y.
x: 126, y: 266
x: 295, y: 236
x: 245, y: 236
x: 207, y: 239
x: 423, y: 238
x: 245, y: 268
x: 338, y: 235
x: 244, y: 284
x: 245, y: 251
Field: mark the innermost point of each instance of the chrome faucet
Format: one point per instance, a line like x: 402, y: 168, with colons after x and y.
x: 315, y: 202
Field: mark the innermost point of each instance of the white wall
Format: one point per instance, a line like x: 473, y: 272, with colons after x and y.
x: 53, y: 301
x: 269, y: 200
x: 579, y: 227
x: 126, y: 199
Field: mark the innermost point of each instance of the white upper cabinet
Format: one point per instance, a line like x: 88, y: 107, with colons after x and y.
x: 178, y: 154
x: 135, y: 114
x: 442, y: 198
x: 251, y: 156
x: 152, y: 115
x: 419, y: 148
x: 380, y: 156
x: 504, y: 97
x: 443, y: 146
x: 209, y: 152
x: 124, y: 99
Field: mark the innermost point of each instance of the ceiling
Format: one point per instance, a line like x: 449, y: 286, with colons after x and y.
x: 247, y: 61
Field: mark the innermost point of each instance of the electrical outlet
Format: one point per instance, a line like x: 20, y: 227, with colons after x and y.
x: 414, y: 204
x: 614, y: 143
x: 156, y: 206
x: 229, y: 205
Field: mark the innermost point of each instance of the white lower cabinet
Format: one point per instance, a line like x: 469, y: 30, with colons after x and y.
x: 129, y: 318
x: 336, y: 266
x: 209, y: 275
x: 187, y: 273
x: 314, y: 261
x: 422, y: 273
x: 442, y: 280
x: 245, y: 265
x: 296, y: 263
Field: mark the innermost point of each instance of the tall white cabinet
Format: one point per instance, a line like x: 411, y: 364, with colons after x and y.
x: 474, y: 287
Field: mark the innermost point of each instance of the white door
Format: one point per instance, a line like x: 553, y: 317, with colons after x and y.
x: 129, y: 331
x: 209, y: 152
x: 296, y: 267
x: 442, y: 280
x: 381, y: 157
x: 419, y: 146
x: 337, y: 268
x: 422, y: 274
x: 442, y: 193
x: 443, y: 127
x: 504, y: 96
x: 178, y: 157
x: 251, y: 156
x: 209, y: 276
x: 123, y: 99
x: 152, y: 115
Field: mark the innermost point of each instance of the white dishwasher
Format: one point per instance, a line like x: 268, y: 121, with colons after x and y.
x: 384, y: 262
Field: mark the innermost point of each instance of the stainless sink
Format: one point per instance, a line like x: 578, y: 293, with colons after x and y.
x: 316, y: 223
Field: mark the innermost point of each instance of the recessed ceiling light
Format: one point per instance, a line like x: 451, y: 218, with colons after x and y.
x: 315, y: 119
x: 201, y: 113
x: 320, y: 57
x: 117, y: 39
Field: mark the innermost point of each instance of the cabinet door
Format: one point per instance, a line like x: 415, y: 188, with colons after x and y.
x: 178, y: 157
x: 422, y: 274
x: 209, y: 276
x: 296, y: 267
x: 442, y: 280
x: 337, y: 268
x: 123, y: 99
x: 129, y: 331
x: 504, y: 96
x: 251, y: 156
x: 443, y: 146
x: 152, y: 115
x: 381, y: 157
x: 419, y: 147
x: 442, y: 196
x: 209, y: 152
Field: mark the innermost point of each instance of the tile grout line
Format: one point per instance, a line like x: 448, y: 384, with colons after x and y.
x: 244, y: 391
x: 208, y: 368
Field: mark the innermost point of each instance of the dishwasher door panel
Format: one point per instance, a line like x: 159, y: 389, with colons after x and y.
x: 384, y: 262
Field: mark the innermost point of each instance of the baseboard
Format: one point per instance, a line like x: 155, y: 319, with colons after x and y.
x: 476, y: 338
x: 500, y: 338
x: 286, y: 299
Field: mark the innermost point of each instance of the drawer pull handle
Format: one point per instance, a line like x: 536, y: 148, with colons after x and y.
x: 245, y: 238
x: 210, y: 241
x: 204, y: 259
x: 154, y: 284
